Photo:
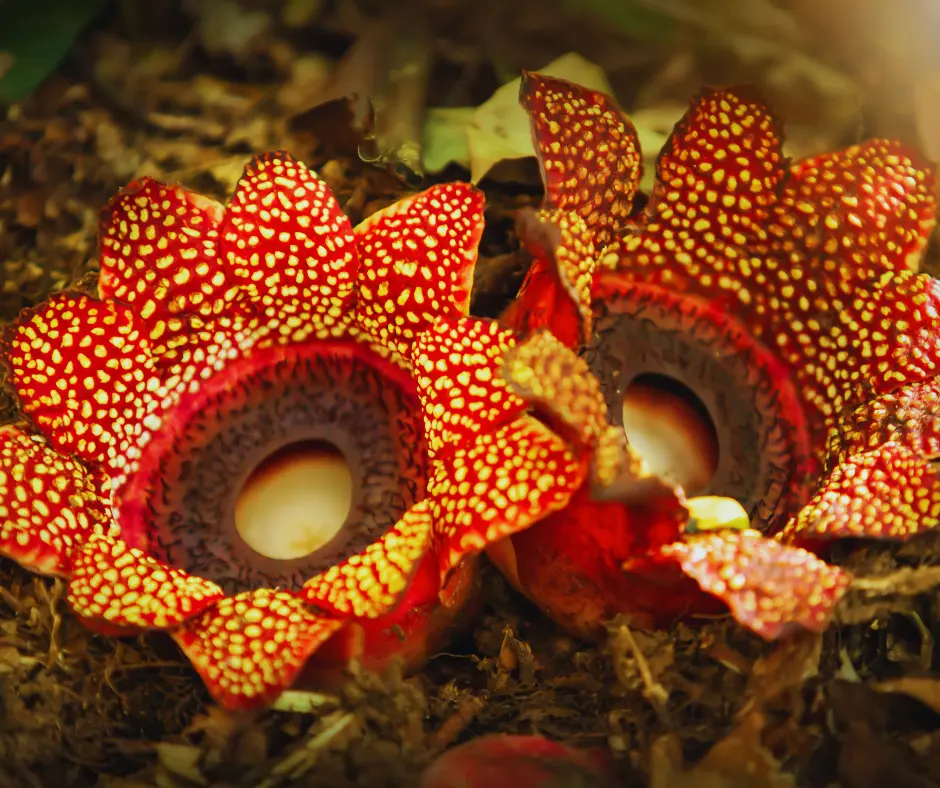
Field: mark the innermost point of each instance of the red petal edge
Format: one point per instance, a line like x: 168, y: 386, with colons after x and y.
x: 371, y: 583
x: 126, y: 588
x: 557, y: 291
x: 251, y: 647
x: 769, y: 587
x: 418, y: 257
x: 49, y: 504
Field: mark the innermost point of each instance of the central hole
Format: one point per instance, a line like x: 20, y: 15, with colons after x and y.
x: 296, y: 501
x: 670, y: 428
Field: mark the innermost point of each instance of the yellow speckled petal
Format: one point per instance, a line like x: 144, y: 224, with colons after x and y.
x: 287, y: 243
x: 909, y: 416
x: 588, y: 151
x: 80, y: 368
x: 726, y: 150
x: 159, y: 252
x: 872, y: 204
x: 504, y: 482
x: 417, y: 258
x: 49, y: 504
x: 249, y: 648
x: 123, y: 586
x: 456, y: 364
x: 549, y: 376
x: 369, y: 584
x: 770, y: 588
x: 891, y: 492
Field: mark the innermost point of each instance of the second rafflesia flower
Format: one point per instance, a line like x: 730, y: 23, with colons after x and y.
x: 228, y: 445
x: 757, y: 333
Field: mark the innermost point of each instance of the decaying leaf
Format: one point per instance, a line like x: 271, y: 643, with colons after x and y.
x: 382, y: 80
x: 498, y: 130
x: 740, y: 760
x: 923, y: 688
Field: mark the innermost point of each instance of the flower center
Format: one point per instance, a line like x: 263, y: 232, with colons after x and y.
x: 296, y: 501
x: 281, y: 463
x: 672, y: 430
x: 697, y: 399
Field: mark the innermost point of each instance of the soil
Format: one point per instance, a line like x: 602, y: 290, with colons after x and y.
x: 703, y: 703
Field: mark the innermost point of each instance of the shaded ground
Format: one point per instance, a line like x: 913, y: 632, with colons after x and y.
x: 857, y: 707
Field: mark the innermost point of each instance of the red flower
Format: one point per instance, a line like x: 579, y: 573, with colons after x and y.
x: 517, y: 762
x: 180, y: 422
x: 758, y: 334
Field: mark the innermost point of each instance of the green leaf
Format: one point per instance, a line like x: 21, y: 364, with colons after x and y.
x: 35, y: 36
x: 498, y: 130
x: 445, y: 137
x: 636, y: 19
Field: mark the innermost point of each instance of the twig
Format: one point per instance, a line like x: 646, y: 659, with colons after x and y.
x: 654, y: 692
x: 467, y: 709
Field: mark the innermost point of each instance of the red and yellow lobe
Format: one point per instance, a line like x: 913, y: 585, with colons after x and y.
x: 80, y: 369
x: 287, y: 243
x: 871, y: 205
x: 588, y: 152
x: 251, y: 647
x: 769, y: 587
x: 371, y: 583
x: 457, y: 363
x: 119, y: 584
x: 50, y: 504
x: 418, y: 257
x: 159, y: 247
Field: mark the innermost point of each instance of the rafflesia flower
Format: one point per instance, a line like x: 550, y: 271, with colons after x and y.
x: 759, y: 333
x: 181, y: 427
x: 505, y: 761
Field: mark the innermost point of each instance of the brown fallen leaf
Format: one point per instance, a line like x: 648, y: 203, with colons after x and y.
x: 382, y: 82
x: 922, y: 688
x: 872, y: 760
x: 738, y: 761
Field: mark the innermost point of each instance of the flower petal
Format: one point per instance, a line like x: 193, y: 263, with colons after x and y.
x: 49, y: 504
x: 123, y: 586
x: 503, y: 482
x: 159, y: 254
x: 371, y: 583
x: 250, y: 648
x: 79, y: 367
x: 769, y: 587
x: 286, y: 241
x: 456, y: 365
x: 839, y: 332
x: 556, y: 292
x: 727, y: 148
x: 418, y: 257
x: 587, y: 149
x: 909, y: 416
x: 871, y: 204
x: 718, y: 174
x: 891, y: 492
x: 550, y: 377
